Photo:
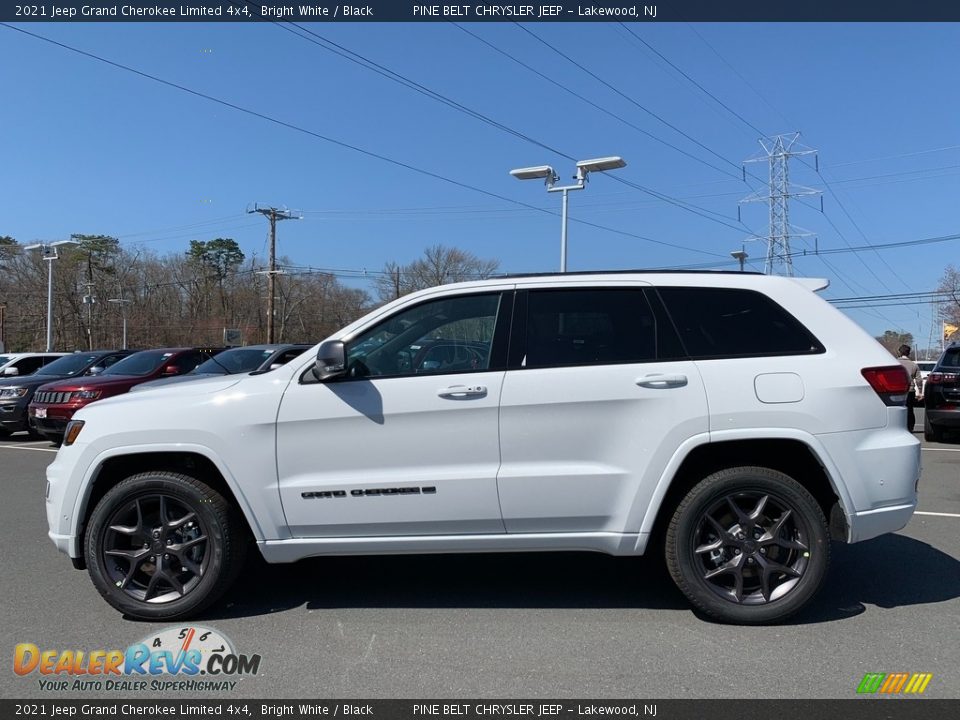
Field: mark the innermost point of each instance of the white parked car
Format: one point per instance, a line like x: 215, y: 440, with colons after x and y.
x: 612, y: 412
x: 25, y: 363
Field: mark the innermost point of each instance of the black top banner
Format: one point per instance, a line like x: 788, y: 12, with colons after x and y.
x: 534, y: 12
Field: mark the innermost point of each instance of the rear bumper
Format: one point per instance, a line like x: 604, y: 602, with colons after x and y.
x: 880, y: 470
x: 944, y: 417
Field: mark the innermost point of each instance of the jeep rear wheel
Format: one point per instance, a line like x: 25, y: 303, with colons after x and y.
x: 163, y: 546
x: 748, y: 545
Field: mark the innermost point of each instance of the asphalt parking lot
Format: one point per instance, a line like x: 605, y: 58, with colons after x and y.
x: 519, y: 625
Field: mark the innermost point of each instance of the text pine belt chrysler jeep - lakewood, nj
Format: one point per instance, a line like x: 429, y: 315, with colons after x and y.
x: 736, y: 421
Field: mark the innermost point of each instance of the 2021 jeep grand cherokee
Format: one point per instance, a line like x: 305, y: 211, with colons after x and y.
x: 736, y: 420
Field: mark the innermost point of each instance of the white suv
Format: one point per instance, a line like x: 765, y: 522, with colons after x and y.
x: 736, y: 421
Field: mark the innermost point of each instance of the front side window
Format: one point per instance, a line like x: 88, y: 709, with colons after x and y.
x: 731, y: 322
x: 449, y: 335
x: 589, y: 327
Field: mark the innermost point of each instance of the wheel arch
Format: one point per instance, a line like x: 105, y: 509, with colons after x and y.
x: 793, y: 456
x: 193, y: 462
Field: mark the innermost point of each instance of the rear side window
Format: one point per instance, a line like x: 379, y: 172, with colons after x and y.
x: 31, y: 364
x: 729, y: 322
x: 950, y: 359
x: 589, y: 327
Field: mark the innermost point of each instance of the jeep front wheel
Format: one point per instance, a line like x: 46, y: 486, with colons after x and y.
x: 748, y: 545
x: 163, y: 546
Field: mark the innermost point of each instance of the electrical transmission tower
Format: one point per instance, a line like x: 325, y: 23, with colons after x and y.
x: 273, y: 215
x: 777, y: 153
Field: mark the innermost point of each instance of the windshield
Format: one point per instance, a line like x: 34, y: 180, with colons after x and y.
x: 141, y: 363
x: 69, y: 365
x: 230, y: 362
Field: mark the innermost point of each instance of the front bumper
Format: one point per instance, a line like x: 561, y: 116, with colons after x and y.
x: 56, y: 420
x: 13, y: 414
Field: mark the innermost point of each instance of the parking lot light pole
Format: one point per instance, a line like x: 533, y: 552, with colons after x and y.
x: 121, y: 302
x: 740, y: 255
x: 550, y: 178
x: 48, y: 252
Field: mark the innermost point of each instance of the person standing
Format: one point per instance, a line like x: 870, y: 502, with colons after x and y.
x: 915, y: 393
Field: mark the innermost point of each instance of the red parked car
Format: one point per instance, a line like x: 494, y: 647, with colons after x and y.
x: 55, y: 403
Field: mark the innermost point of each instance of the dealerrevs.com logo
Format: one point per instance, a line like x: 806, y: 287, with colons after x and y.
x: 175, y: 660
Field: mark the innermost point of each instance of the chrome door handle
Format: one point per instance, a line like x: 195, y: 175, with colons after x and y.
x: 660, y: 382
x: 462, y: 391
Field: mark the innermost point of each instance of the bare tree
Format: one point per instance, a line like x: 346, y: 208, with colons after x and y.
x: 438, y: 266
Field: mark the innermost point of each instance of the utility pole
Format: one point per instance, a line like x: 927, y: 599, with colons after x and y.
x: 89, y: 300
x: 777, y: 151
x: 273, y: 215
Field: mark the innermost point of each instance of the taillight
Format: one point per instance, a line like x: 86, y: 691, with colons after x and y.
x: 890, y: 382
x: 939, y: 378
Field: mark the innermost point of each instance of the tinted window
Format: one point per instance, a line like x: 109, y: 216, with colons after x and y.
x: 453, y: 334
x: 239, y: 360
x: 68, y: 365
x: 588, y: 327
x: 28, y: 365
x: 726, y: 322
x: 950, y: 359
x: 141, y: 363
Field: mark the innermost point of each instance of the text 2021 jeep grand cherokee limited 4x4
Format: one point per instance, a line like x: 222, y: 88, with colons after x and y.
x: 738, y: 421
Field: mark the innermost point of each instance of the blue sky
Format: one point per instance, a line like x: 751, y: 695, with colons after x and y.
x: 90, y: 148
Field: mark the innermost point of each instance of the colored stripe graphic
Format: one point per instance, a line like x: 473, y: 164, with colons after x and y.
x: 871, y: 682
x: 894, y: 683
x: 918, y: 683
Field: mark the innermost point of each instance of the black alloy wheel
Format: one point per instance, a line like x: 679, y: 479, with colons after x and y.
x: 163, y: 545
x: 748, y: 545
x: 155, y: 548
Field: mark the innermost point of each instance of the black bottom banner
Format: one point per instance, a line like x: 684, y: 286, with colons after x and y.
x: 853, y: 709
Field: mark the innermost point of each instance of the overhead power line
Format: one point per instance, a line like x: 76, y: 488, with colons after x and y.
x: 349, y: 146
x: 700, y: 87
x: 365, y: 62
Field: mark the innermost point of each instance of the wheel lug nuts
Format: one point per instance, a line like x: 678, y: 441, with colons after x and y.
x: 152, y: 559
x: 169, y: 541
x: 146, y: 546
x: 737, y: 551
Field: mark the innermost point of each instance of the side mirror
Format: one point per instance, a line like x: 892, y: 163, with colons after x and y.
x: 331, y: 361
x: 274, y: 366
x: 170, y: 370
x: 11, y: 371
x: 95, y: 370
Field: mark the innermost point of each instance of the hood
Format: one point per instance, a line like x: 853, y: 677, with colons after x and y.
x: 32, y: 380
x: 176, y: 380
x: 200, y: 386
x: 98, y: 382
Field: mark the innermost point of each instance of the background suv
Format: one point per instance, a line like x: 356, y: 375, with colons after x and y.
x: 941, y: 396
x: 695, y: 414
x: 16, y: 393
x: 17, y: 364
x: 55, y: 403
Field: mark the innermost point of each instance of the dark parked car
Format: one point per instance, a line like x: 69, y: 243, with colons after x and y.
x: 941, y: 395
x: 55, y: 403
x: 17, y: 392
x: 251, y: 358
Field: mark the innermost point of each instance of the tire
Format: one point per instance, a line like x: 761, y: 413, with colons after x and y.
x: 163, y: 572
x: 931, y: 432
x: 748, y: 546
x: 4, y: 434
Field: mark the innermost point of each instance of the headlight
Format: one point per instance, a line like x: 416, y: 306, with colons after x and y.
x: 85, y: 395
x: 13, y: 392
x: 73, y: 429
